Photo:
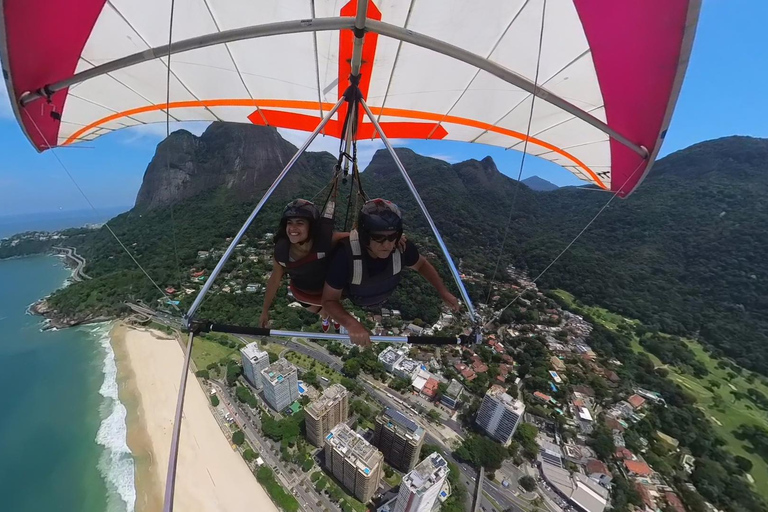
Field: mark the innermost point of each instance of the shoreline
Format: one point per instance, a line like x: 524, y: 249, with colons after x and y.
x: 211, y: 476
x: 148, y: 490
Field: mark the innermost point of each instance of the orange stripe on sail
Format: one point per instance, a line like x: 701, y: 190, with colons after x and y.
x: 312, y: 106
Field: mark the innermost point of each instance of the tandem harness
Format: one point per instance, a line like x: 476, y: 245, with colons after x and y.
x: 365, y: 289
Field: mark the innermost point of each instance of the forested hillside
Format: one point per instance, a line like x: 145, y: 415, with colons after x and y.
x: 685, y: 254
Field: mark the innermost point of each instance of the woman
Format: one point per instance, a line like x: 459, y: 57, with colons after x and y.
x: 303, y: 244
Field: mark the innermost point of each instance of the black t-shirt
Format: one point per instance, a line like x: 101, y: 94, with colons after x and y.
x: 338, y: 274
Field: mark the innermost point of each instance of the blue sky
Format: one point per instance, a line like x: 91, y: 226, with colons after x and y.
x: 724, y: 94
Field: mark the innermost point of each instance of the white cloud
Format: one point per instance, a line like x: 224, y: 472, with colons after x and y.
x: 6, y: 111
x: 154, y: 132
x: 365, y: 148
x: 451, y: 159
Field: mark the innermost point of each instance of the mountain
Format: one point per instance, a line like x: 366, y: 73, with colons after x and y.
x: 539, y: 184
x: 686, y: 253
x: 242, y: 158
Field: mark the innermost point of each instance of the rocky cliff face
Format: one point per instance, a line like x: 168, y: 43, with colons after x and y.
x: 242, y: 158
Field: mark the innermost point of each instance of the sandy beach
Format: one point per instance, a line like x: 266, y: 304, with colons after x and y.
x: 211, y: 476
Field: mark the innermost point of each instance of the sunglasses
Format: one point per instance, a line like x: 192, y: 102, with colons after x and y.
x: 380, y: 239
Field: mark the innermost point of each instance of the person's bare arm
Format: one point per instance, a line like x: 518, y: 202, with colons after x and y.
x: 425, y: 268
x: 269, y: 295
x: 332, y: 305
x: 338, y: 236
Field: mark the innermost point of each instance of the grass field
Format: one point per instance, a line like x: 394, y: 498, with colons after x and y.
x: 307, y: 363
x: 206, y: 351
x: 713, y: 392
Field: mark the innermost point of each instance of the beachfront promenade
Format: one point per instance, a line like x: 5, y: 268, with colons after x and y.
x: 70, y: 253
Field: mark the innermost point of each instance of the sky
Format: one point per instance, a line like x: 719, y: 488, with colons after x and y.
x: 723, y: 94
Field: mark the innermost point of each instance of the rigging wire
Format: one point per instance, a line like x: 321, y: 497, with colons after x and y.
x: 167, y: 135
x: 106, y: 224
x: 525, y: 152
x: 567, y: 247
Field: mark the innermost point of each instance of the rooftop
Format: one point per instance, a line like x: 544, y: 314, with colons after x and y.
x: 454, y: 388
x: 399, y: 421
x: 331, y: 396
x: 638, y: 468
x: 278, y: 371
x: 355, y: 449
x: 390, y: 356
x: 407, y: 365
x: 636, y: 401
x: 426, y: 473
x: 252, y: 351
x: 500, y: 394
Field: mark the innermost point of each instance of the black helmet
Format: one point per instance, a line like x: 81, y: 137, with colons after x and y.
x: 380, y: 215
x: 301, y: 208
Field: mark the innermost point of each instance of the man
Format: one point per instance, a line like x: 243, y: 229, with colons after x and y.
x: 366, y: 268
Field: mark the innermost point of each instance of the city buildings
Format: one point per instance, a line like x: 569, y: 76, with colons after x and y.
x: 325, y: 413
x: 421, y: 487
x: 254, y: 360
x: 399, y: 438
x: 390, y: 356
x: 353, y: 461
x: 500, y: 414
x: 451, y: 396
x: 281, y: 387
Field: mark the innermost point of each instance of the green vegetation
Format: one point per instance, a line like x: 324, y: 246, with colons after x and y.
x: 314, y: 366
x: 286, y: 430
x: 245, y: 396
x: 481, y: 452
x: 214, y: 400
x: 527, y: 483
x: 238, y: 437
x: 208, y: 349
x: 249, y: 455
x: 392, y: 477
x: 280, y: 496
x: 688, y: 416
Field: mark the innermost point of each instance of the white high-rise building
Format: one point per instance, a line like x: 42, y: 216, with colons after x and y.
x: 281, y: 384
x: 421, y: 487
x: 500, y: 414
x: 254, y: 360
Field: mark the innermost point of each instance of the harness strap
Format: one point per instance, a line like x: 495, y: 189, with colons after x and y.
x: 357, y: 257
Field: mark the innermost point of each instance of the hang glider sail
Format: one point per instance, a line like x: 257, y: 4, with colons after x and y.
x: 609, y: 72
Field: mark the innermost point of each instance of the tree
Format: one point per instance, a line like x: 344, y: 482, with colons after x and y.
x: 238, y: 437
x: 234, y: 371
x: 526, y: 435
x: 388, y: 471
x: 310, y: 378
x: 434, y: 416
x: 351, y: 368
x: 203, y: 374
x: 214, y: 400
x: 527, y: 483
x: 743, y: 463
x: 249, y: 455
x: 481, y: 451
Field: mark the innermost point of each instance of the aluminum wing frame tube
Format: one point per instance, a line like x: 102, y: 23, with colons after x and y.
x: 412, y: 187
x: 199, y: 299
x: 170, y: 480
x: 357, y: 49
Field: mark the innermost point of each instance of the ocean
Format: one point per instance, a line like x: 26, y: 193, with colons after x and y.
x: 62, y: 428
x: 50, y: 221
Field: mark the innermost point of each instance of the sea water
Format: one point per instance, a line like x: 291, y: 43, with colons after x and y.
x: 62, y: 427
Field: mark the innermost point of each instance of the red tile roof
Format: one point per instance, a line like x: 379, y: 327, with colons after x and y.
x: 636, y: 401
x: 624, y: 453
x: 541, y: 396
x: 645, y: 495
x: 597, y: 466
x: 674, y: 501
x: 479, y: 367
x: 638, y: 468
x: 430, y: 387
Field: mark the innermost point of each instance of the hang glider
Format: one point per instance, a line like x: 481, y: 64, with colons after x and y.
x: 609, y: 72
